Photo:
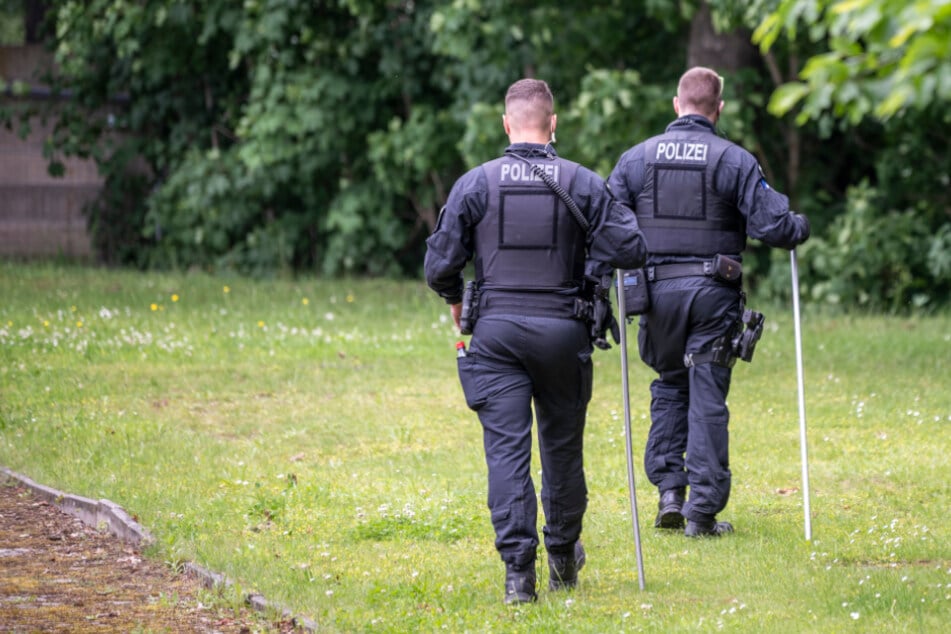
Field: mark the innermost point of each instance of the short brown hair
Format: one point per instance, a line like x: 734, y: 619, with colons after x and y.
x: 699, y: 90
x: 529, y: 104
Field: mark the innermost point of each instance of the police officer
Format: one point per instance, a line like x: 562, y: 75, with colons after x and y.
x: 528, y: 344
x: 696, y: 196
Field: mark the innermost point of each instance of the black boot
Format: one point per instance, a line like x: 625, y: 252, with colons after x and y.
x: 563, y: 569
x: 669, y: 509
x: 708, y: 528
x: 520, y: 584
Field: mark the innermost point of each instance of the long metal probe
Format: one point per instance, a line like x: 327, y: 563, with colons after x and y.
x: 625, y: 388
x: 802, y: 395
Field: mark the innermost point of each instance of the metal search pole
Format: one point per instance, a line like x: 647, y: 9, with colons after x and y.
x: 622, y: 322
x: 802, y: 395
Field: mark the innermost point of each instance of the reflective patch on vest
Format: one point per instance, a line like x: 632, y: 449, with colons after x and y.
x: 528, y: 219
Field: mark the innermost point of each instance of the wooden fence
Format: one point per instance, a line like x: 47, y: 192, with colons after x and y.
x: 40, y: 215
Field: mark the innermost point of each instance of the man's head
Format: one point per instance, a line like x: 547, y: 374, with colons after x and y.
x: 529, y: 112
x: 699, y: 92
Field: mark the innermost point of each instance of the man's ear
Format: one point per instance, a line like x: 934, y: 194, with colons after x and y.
x: 554, y: 123
x: 505, y: 125
x: 677, y: 106
x: 720, y: 108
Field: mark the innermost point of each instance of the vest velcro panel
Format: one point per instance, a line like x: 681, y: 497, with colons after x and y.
x: 522, y: 212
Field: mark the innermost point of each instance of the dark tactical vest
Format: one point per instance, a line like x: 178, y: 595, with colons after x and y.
x: 528, y: 239
x: 678, y: 210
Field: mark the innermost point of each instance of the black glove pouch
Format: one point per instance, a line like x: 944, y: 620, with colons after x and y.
x: 727, y: 269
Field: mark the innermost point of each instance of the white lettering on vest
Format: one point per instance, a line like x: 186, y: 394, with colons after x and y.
x: 523, y: 173
x: 678, y: 151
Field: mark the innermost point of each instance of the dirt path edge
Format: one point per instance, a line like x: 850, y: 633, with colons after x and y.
x: 109, y: 516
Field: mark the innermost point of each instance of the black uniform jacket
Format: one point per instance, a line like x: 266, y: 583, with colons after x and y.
x: 737, y: 178
x: 614, y: 240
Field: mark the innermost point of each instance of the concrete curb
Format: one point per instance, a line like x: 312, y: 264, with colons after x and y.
x: 109, y: 516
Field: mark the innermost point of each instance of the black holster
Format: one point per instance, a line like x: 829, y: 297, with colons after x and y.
x: 470, y: 308
x: 594, y: 308
x: 738, y: 343
x: 749, y: 328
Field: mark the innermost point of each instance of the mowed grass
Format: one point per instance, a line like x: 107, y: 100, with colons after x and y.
x: 309, y: 439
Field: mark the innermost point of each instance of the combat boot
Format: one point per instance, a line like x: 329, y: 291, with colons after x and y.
x: 563, y: 569
x: 708, y: 528
x: 520, y: 584
x: 670, y: 507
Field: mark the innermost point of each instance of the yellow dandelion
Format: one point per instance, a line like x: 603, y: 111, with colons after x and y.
x: 154, y: 307
x: 174, y: 297
x: 226, y: 289
x: 79, y: 324
x: 349, y: 298
x: 260, y: 324
x: 305, y: 301
x: 46, y: 323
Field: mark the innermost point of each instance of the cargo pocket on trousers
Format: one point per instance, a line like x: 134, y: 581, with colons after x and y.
x: 473, y: 387
x: 585, y: 375
x: 644, y: 344
x: 500, y: 516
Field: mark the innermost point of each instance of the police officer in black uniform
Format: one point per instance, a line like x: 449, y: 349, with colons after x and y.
x: 528, y: 344
x: 696, y: 196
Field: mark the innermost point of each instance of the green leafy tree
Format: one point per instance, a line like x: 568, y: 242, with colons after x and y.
x: 283, y: 135
x: 253, y: 120
x: 884, y: 79
x: 883, y: 57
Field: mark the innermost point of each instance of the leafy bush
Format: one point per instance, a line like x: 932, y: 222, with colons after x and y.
x: 881, y: 260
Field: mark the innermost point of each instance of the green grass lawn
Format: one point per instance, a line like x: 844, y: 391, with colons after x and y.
x: 309, y: 439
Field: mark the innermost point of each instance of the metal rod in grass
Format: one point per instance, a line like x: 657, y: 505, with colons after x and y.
x: 802, y: 395
x: 625, y: 389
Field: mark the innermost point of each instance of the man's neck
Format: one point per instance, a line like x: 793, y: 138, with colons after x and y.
x: 537, y: 139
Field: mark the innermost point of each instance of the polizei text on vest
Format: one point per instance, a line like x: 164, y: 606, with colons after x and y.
x: 523, y: 173
x: 682, y: 151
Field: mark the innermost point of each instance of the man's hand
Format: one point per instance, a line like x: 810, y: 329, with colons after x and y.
x: 804, y: 224
x: 456, y: 311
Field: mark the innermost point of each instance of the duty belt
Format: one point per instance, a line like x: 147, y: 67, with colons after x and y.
x: 679, y: 269
x: 536, y: 304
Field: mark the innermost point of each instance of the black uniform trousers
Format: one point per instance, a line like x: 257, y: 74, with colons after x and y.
x: 513, y: 361
x: 688, y: 442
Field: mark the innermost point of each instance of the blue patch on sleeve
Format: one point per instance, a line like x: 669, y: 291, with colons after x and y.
x: 763, y: 183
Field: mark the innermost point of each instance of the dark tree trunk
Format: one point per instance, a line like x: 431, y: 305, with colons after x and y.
x: 732, y: 52
x: 34, y: 20
x: 725, y: 52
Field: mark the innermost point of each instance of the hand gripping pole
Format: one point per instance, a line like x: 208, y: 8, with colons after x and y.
x: 802, y: 397
x: 622, y: 321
